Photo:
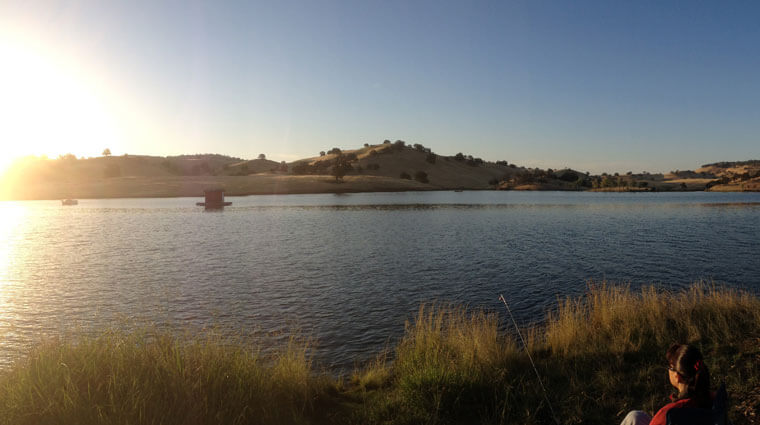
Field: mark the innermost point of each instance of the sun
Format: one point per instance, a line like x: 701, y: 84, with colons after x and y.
x: 48, y: 107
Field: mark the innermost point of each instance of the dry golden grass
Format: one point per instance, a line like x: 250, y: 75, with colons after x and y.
x: 599, y: 356
x: 152, y: 377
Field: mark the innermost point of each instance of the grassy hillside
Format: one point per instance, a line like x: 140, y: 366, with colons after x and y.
x: 599, y: 356
x: 734, y: 176
x: 383, y: 167
x: 387, y: 166
x: 392, y: 160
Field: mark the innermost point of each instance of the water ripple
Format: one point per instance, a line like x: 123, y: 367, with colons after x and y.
x: 350, y: 270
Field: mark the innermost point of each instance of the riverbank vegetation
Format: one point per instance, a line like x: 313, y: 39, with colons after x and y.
x: 599, y: 356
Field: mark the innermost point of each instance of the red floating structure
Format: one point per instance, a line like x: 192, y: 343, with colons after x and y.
x: 214, y: 199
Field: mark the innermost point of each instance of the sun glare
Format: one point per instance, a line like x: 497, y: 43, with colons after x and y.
x: 48, y: 108
x: 11, y: 217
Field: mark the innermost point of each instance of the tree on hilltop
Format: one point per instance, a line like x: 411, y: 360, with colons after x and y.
x: 106, y: 152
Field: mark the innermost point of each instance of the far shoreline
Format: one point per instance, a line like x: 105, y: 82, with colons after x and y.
x: 386, y: 167
x: 257, y: 185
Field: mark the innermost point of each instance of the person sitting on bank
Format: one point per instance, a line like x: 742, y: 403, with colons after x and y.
x: 690, y: 376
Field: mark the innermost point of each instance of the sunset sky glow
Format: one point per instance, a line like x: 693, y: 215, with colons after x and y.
x: 598, y: 86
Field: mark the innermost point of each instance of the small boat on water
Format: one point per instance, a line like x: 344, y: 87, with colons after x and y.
x: 69, y: 202
x: 214, y: 199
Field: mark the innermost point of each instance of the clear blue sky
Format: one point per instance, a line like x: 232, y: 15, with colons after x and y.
x: 598, y: 86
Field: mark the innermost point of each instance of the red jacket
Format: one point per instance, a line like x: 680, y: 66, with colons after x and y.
x: 661, y: 417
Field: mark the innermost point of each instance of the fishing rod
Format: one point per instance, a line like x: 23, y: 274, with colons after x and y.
x: 525, y: 347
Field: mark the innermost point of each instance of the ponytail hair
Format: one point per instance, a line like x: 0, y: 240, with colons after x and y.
x: 688, y: 363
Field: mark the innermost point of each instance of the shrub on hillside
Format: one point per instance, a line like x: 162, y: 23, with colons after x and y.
x: 303, y: 167
x: 431, y: 157
x: 569, y: 176
x: 421, y: 176
x: 341, y: 167
x: 405, y: 175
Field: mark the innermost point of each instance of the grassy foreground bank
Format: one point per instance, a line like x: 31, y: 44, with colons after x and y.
x: 599, y: 356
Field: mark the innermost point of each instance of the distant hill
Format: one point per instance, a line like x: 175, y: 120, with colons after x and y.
x: 401, y: 161
x: 254, y: 166
x: 734, y: 175
x: 732, y: 164
x: 387, y: 166
x: 69, y: 167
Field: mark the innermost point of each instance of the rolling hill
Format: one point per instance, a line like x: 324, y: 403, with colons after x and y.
x: 381, y: 167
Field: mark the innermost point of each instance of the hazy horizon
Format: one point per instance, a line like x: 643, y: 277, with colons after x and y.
x: 589, y: 85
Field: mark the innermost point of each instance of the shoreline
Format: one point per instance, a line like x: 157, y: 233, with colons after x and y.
x: 179, y: 187
x: 451, y: 364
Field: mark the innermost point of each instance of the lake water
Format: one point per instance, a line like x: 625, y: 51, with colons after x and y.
x: 350, y: 269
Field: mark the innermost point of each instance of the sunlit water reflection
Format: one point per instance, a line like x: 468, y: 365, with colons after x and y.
x: 349, y: 269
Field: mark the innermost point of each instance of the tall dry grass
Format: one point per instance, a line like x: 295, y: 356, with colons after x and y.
x: 153, y: 377
x: 599, y: 356
x: 613, y: 318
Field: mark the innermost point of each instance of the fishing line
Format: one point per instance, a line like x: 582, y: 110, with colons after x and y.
x: 525, y: 347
